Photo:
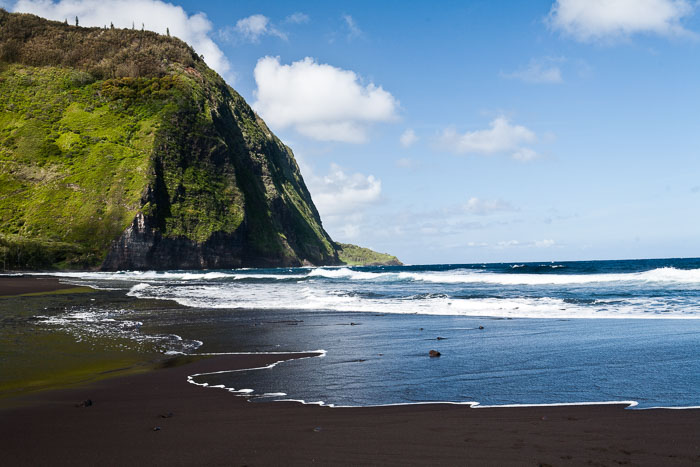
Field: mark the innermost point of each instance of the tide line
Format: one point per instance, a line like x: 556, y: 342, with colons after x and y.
x: 247, y: 392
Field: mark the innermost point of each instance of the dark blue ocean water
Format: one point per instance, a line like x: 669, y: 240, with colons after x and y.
x: 561, y: 332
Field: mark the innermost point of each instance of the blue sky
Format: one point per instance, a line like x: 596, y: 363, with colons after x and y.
x: 467, y: 131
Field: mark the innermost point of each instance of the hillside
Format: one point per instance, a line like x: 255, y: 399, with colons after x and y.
x: 121, y: 149
x: 354, y: 255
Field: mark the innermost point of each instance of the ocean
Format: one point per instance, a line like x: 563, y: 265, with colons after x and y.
x: 508, y: 333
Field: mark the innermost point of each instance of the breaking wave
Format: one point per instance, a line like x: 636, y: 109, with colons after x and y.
x: 572, y: 290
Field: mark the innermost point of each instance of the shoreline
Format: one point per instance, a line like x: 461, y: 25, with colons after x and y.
x: 49, y: 363
x: 20, y: 285
x: 158, y: 417
x: 246, y: 392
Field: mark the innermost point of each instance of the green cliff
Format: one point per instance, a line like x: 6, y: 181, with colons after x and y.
x: 354, y: 255
x: 121, y: 149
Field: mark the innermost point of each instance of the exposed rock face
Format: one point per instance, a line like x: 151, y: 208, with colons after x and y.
x: 142, y: 246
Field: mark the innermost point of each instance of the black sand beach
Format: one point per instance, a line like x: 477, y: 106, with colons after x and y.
x: 21, y: 285
x: 157, y: 417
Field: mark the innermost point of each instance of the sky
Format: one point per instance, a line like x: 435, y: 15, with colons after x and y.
x: 466, y: 131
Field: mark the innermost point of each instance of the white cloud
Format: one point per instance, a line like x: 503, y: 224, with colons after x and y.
x: 589, y: 20
x: 408, y: 137
x: 349, y: 230
x: 538, y: 71
x: 319, y: 101
x: 342, y: 199
x: 484, y: 207
x: 353, y: 29
x: 297, y: 18
x: 254, y: 27
x: 547, y: 243
x: 341, y: 193
x: 156, y: 15
x: 501, y: 137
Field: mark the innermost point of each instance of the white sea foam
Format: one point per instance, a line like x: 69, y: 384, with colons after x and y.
x: 456, y: 276
x: 279, y: 297
x: 630, y: 404
x: 346, y: 273
x: 192, y: 379
x: 138, y: 287
x: 110, y: 326
x: 348, y: 290
x: 471, y: 404
x: 664, y: 275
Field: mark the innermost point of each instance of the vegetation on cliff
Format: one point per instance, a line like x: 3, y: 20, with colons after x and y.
x: 354, y: 255
x: 122, y: 149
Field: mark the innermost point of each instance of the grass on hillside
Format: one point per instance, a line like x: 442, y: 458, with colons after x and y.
x: 354, y: 255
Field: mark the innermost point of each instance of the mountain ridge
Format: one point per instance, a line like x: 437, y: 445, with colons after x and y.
x: 121, y: 149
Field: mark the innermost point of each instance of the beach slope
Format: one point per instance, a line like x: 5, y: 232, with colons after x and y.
x: 159, y: 418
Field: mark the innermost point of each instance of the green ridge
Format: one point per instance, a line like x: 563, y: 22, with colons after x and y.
x: 122, y: 149
x: 354, y: 255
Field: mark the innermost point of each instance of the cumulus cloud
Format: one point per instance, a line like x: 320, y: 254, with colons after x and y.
x: 155, y: 15
x: 342, y: 198
x: 319, y: 101
x: 350, y: 229
x: 501, y: 137
x: 483, y: 207
x: 297, y: 18
x: 254, y: 27
x: 342, y: 193
x: 408, y: 137
x: 590, y: 20
x: 538, y: 71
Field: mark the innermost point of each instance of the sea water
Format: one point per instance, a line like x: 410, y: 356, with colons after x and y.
x: 508, y: 333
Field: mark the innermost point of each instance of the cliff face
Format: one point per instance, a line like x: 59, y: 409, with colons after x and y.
x: 121, y: 149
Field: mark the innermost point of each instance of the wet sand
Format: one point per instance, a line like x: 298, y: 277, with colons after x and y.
x: 21, y: 285
x: 211, y: 426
